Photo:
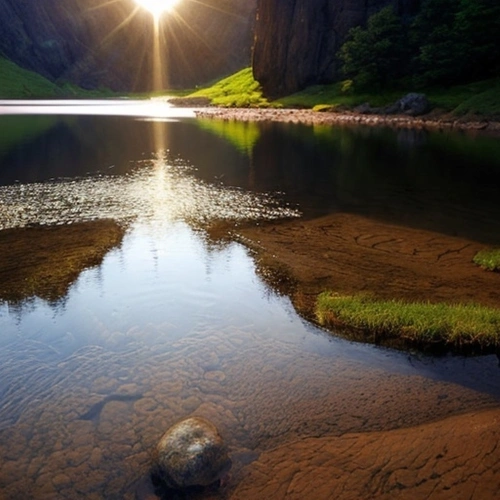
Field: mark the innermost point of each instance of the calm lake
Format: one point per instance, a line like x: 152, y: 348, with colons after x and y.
x: 172, y: 323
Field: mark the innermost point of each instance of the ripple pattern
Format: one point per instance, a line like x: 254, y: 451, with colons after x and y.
x: 155, y: 191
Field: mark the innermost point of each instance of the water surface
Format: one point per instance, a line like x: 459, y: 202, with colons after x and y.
x: 173, y: 323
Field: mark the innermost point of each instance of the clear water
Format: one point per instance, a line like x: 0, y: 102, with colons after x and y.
x: 173, y: 324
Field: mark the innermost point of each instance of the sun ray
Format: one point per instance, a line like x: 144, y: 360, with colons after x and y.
x: 158, y: 7
x: 103, y: 4
x: 123, y: 24
x: 218, y: 9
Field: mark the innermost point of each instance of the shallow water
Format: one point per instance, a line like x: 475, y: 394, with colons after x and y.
x: 173, y: 324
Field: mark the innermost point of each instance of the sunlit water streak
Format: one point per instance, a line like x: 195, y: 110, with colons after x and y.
x: 155, y: 191
x: 152, y: 108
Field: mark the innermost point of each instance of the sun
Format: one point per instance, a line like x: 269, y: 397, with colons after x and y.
x: 157, y: 7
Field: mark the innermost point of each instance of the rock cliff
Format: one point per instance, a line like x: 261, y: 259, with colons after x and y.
x: 101, y: 43
x: 296, y: 40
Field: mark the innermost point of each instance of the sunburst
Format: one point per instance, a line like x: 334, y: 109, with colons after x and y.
x: 158, y: 7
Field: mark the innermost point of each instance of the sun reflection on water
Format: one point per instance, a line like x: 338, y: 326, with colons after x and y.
x: 158, y: 190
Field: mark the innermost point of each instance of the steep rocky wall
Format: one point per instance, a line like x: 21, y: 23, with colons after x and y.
x: 296, y: 40
x: 101, y: 43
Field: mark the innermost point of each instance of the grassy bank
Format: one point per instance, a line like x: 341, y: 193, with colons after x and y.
x: 241, y: 90
x: 433, y: 327
x: 488, y: 259
x: 19, y: 83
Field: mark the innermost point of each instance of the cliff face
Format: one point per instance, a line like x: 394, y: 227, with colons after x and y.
x: 296, y: 40
x: 101, y: 43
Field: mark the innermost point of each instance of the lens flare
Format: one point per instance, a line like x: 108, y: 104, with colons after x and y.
x: 158, y: 7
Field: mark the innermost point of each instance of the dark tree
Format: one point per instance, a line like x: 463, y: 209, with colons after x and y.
x: 376, y: 56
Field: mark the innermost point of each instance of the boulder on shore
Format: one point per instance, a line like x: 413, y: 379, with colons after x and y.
x: 412, y: 104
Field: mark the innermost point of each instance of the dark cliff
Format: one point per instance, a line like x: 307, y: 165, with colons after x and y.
x: 101, y: 43
x: 296, y: 40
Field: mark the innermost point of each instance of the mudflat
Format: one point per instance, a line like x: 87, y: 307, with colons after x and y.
x: 350, y: 253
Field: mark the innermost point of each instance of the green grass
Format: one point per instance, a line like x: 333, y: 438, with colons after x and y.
x: 460, y: 327
x: 488, y: 259
x: 19, y: 83
x: 239, y: 90
x: 242, y: 90
x: 334, y: 95
x: 479, y: 98
x: 16, y: 82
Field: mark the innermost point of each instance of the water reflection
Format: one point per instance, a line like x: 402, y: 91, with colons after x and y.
x: 171, y: 324
x: 436, y: 181
x: 157, y: 192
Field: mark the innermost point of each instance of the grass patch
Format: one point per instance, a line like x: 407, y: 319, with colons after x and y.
x: 488, y: 259
x: 239, y: 90
x: 460, y: 327
x: 479, y: 98
x: 19, y: 83
x: 336, y: 96
x: 16, y: 82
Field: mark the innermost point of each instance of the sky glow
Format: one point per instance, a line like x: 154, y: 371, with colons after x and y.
x: 158, y: 7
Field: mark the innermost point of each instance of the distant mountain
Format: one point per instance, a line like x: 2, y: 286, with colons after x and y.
x: 98, y: 43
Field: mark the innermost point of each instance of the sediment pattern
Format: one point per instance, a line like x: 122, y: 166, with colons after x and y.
x: 88, y: 425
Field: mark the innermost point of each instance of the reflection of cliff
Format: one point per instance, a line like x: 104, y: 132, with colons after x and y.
x: 45, y: 261
x: 103, y: 43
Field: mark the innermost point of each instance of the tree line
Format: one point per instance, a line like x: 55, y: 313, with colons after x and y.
x: 447, y: 42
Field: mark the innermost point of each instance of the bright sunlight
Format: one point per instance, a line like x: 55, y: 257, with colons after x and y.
x: 158, y: 7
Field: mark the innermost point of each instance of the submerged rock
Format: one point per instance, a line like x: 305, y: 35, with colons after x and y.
x: 191, y: 453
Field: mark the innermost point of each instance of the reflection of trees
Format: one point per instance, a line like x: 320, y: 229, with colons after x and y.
x: 16, y: 130
x: 430, y: 180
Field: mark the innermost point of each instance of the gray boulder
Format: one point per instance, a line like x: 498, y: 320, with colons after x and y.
x: 412, y: 104
x: 191, y: 453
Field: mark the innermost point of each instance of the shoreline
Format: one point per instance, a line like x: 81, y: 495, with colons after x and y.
x: 351, y: 254
x: 354, y: 255
x: 434, y: 120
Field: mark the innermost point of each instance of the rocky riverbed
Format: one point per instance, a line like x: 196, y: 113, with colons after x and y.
x: 93, y: 428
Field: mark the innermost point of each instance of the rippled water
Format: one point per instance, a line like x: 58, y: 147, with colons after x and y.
x: 172, y: 323
x: 156, y: 192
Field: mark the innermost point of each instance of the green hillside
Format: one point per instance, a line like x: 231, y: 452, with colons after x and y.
x: 19, y: 83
